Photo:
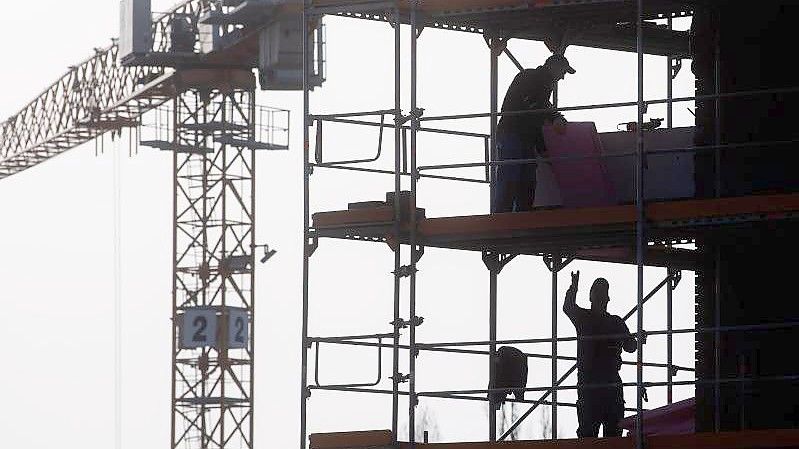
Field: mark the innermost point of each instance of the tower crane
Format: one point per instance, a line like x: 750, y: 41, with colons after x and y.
x: 197, y: 61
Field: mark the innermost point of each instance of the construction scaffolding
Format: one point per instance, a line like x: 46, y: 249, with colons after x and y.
x: 644, y: 233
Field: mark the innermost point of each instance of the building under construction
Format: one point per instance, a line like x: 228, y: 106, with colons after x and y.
x: 717, y: 199
x: 724, y: 186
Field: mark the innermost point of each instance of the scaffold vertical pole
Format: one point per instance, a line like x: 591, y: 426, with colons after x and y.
x: 717, y: 252
x: 492, y: 349
x: 717, y: 109
x: 306, y: 167
x: 669, y: 337
x: 640, y: 241
x: 716, y: 337
x: 493, y: 273
x: 494, y: 92
x: 669, y: 84
x: 412, y: 352
x: 554, y: 268
x: 397, y: 217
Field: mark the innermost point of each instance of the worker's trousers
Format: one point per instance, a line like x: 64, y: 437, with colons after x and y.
x: 513, y: 187
x: 599, y: 406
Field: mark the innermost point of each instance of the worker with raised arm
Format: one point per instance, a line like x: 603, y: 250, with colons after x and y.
x: 598, y: 359
x: 519, y: 136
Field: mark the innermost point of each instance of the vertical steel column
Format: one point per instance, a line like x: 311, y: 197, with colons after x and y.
x: 492, y: 348
x: 251, y: 113
x: 494, y: 92
x: 717, y: 105
x: 493, y: 273
x: 306, y: 223
x: 412, y: 351
x: 640, y: 241
x: 223, y: 352
x: 397, y: 217
x: 204, y: 439
x: 555, y: 267
x: 717, y: 283
x: 669, y: 336
x: 173, y: 423
x: 669, y: 87
x: 717, y: 338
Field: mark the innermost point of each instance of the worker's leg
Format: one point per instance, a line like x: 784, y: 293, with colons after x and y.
x: 527, y: 187
x: 501, y: 198
x: 587, y: 422
x: 539, y: 147
x: 610, y: 428
x: 524, y: 182
x: 614, y: 413
x: 507, y: 183
x: 501, y: 195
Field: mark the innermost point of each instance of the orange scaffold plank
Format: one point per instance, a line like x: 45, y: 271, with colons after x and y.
x: 450, y: 6
x: 748, y: 439
x: 767, y: 206
x: 751, y: 439
x: 592, y: 233
x: 338, y: 440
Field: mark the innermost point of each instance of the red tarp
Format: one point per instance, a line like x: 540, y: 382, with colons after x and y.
x: 677, y: 418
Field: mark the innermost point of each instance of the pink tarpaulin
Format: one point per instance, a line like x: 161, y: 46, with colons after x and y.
x: 583, y: 180
x: 676, y: 418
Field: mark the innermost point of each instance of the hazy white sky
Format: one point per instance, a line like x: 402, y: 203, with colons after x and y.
x: 56, y: 247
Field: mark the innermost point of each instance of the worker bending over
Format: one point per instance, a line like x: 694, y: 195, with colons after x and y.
x: 519, y: 136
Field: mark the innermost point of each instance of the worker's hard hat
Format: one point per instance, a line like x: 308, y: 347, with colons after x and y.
x: 558, y: 60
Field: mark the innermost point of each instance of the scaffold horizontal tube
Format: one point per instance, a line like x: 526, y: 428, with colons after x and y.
x: 517, y: 401
x: 355, y: 389
x: 727, y: 380
x: 314, y: 117
x: 339, y: 341
x: 350, y: 337
x: 427, y: 130
x: 736, y: 328
x: 691, y: 149
x: 624, y: 104
x: 391, y: 172
x: 444, y: 395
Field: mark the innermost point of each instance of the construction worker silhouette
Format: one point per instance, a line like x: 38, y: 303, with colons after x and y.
x: 598, y: 360
x: 510, y: 373
x: 519, y: 136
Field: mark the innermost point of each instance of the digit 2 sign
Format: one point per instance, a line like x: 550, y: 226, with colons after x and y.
x: 199, y: 328
x: 238, y: 328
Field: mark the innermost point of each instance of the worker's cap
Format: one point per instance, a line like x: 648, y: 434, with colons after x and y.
x: 560, y: 61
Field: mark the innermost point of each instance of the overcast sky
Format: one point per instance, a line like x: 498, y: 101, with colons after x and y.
x: 56, y: 247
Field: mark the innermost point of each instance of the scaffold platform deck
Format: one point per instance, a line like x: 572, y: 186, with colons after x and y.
x: 750, y: 439
x: 597, y: 233
x: 601, y: 23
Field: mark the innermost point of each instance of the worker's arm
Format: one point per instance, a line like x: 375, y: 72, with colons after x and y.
x: 630, y: 344
x: 555, y: 117
x: 537, y: 93
x: 559, y: 124
x: 570, y: 307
